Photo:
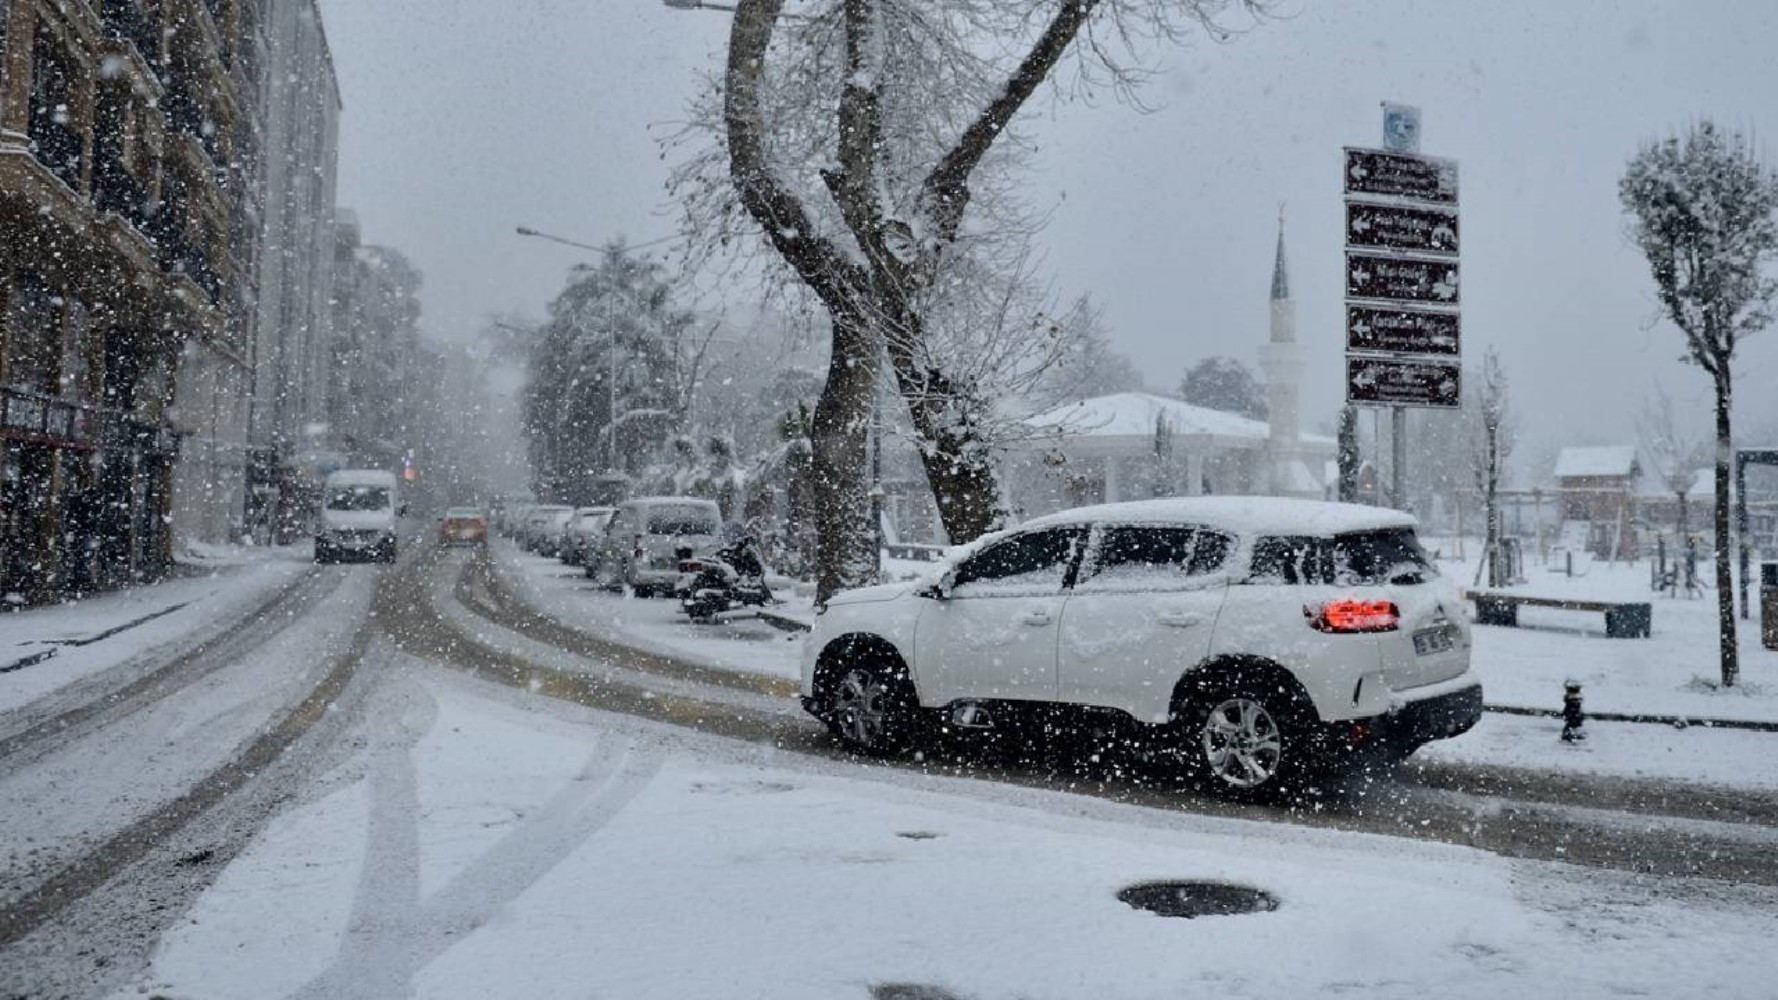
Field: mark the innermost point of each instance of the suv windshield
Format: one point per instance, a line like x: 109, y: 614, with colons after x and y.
x: 1360, y: 559
x: 358, y: 498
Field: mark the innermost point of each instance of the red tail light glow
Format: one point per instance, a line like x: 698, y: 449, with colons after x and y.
x: 1353, y: 615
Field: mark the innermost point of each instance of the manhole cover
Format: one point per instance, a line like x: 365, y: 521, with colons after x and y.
x: 1198, y: 899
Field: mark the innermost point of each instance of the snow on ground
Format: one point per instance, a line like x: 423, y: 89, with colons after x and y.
x: 148, y: 757
x: 1523, y: 667
x: 565, y: 594
x: 493, y: 845
x: 212, y: 591
x: 1673, y: 672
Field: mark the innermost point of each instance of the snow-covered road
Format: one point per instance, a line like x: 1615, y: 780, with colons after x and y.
x: 469, y: 818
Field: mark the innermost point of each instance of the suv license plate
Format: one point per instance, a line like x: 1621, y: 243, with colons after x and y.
x: 1434, y: 640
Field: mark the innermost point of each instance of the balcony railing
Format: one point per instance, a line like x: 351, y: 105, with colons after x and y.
x: 186, y: 115
x: 190, y: 260
x: 116, y: 190
x: 57, y: 144
x: 126, y: 20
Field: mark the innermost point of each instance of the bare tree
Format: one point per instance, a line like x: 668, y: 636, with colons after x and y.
x: 1675, y: 454
x: 867, y: 206
x: 1702, y: 211
x: 1494, y: 443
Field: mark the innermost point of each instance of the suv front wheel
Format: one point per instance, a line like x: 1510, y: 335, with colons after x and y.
x: 873, y: 709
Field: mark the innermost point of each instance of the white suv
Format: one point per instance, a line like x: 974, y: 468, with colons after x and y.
x: 1256, y: 637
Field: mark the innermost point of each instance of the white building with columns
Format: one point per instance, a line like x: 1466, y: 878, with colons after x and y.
x: 1137, y: 445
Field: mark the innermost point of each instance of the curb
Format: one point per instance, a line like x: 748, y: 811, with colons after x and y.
x: 1676, y: 721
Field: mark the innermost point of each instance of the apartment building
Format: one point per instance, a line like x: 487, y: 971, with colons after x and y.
x: 293, y: 358
x: 130, y: 200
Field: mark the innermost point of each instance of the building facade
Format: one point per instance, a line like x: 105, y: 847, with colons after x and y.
x: 129, y: 159
x: 293, y: 356
x: 379, y: 368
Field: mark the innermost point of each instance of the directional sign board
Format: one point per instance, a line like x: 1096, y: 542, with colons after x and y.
x: 1399, y: 227
x: 1401, y: 175
x: 1404, y: 383
x: 1401, y: 279
x: 1403, y: 331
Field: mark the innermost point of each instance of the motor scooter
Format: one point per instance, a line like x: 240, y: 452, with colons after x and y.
x: 731, y: 578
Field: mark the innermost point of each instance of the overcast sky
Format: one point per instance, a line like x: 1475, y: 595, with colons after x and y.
x: 466, y: 118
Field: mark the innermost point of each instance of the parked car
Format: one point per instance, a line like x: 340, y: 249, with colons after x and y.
x: 648, y: 536
x: 1254, y: 639
x: 583, y: 533
x: 359, y: 508
x: 543, y: 528
x: 463, y: 526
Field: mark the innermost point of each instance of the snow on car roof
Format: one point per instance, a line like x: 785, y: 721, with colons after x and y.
x: 1241, y: 514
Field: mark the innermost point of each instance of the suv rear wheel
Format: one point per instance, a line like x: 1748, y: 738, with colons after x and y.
x: 1246, y: 740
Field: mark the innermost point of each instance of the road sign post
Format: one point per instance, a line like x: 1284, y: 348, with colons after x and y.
x: 1403, y: 382
x: 1403, y: 285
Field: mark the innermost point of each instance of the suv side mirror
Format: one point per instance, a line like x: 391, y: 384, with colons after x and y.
x: 940, y: 589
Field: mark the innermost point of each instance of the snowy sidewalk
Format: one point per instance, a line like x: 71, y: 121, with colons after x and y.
x: 45, y: 648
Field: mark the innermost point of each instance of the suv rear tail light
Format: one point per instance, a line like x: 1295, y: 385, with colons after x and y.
x: 1353, y: 615
x: 637, y: 549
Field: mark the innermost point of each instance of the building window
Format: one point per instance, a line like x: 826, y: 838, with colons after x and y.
x: 34, y: 336
x: 77, y: 370
x: 5, y: 23
x: 54, y: 139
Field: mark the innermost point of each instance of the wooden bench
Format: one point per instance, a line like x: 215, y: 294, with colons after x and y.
x: 1623, y: 619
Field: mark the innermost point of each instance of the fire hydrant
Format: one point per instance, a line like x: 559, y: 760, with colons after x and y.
x: 1573, y: 716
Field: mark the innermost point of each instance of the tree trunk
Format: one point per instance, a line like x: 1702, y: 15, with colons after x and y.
x: 837, y: 435
x: 1491, y: 549
x: 1725, y: 580
x: 1348, y: 444
x: 955, y: 456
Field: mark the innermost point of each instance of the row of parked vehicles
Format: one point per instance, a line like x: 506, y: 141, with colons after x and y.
x: 651, y: 546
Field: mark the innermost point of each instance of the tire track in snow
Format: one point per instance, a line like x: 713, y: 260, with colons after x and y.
x: 36, y: 732
x: 119, y: 850
x: 393, y: 934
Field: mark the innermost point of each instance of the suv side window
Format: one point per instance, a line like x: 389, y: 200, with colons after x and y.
x: 1037, y: 561
x: 1361, y: 559
x: 1291, y: 560
x: 1132, y: 557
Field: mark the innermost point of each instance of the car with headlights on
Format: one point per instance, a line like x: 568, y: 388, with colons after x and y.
x: 1255, y: 640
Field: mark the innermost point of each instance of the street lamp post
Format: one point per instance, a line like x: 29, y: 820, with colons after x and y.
x: 613, y: 250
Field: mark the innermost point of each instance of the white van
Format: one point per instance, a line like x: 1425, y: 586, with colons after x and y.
x: 358, y: 512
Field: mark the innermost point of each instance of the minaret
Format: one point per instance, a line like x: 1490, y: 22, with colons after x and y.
x: 1281, y: 361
